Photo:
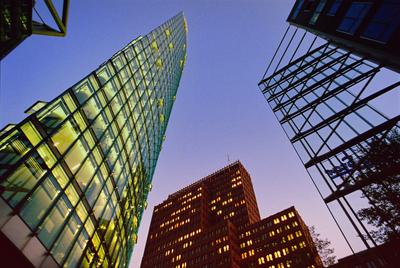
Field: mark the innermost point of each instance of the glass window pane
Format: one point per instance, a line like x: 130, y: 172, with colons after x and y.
x: 54, y: 221
x: 40, y: 201
x: 75, y: 156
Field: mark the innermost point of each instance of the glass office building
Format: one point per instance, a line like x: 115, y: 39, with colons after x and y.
x: 75, y: 174
x: 333, y: 85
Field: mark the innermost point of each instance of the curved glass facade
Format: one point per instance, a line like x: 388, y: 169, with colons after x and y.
x: 76, y: 173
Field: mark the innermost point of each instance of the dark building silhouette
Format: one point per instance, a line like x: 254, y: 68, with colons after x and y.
x: 329, y: 84
x: 215, y: 222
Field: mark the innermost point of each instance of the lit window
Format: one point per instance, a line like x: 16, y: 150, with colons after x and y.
x: 290, y: 237
x: 285, y: 251
x: 269, y: 257
x: 276, y: 221
x: 354, y: 16
x: 277, y: 254
x: 294, y: 248
x: 251, y: 252
x: 244, y: 255
x: 281, y: 265
x: 291, y: 214
x: 271, y: 233
x: 302, y: 244
x: 261, y: 260
x: 298, y: 234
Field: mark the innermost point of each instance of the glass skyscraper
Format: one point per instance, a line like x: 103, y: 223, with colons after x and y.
x: 75, y: 174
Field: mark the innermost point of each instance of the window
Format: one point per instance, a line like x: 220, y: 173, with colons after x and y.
x: 385, y: 22
x: 251, y: 252
x: 354, y: 16
x: 297, y: 9
x: 334, y: 8
x: 285, y: 251
x: 290, y: 237
x: 317, y: 12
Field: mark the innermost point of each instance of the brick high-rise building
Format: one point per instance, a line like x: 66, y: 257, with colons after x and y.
x: 215, y: 222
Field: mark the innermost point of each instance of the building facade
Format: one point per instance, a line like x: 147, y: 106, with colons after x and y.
x: 75, y: 174
x: 215, y: 222
x: 332, y: 83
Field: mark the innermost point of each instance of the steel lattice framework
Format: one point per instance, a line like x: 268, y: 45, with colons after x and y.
x: 324, y: 99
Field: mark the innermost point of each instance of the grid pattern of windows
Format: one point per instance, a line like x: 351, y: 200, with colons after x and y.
x: 78, y: 170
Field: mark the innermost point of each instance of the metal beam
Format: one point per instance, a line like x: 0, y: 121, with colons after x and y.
x: 370, y: 133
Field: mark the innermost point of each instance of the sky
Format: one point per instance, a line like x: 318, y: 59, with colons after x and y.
x: 220, y: 115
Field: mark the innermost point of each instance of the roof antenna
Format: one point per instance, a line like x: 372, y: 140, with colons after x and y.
x: 229, y: 161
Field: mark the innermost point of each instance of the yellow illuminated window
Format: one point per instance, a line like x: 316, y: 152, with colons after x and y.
x: 291, y: 214
x: 277, y: 254
x: 285, y: 251
x: 244, y: 255
x: 290, y: 237
x: 281, y: 265
x: 271, y: 233
x: 269, y: 257
x: 294, y: 224
x: 298, y: 234
x: 294, y: 248
x: 302, y: 244
x: 261, y: 260
x: 276, y: 220
x: 251, y: 252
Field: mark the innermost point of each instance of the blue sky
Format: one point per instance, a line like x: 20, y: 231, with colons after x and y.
x: 219, y: 109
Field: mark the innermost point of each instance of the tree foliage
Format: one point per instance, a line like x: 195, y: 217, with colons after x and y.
x: 323, y: 248
x: 383, y: 193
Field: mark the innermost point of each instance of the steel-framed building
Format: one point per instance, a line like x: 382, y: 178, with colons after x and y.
x: 21, y: 18
x: 333, y: 84
x: 75, y: 174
